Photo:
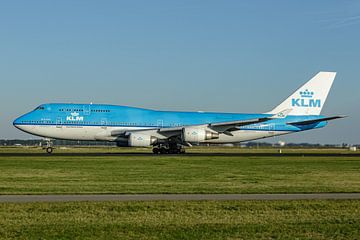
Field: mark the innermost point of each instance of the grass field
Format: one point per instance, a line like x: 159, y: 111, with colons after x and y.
x: 182, y: 220
x: 204, y: 170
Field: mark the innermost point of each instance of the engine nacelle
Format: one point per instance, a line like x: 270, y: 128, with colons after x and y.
x: 140, y: 140
x: 196, y: 135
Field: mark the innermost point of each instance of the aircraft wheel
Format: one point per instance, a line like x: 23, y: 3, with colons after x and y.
x: 163, y: 150
x: 156, y: 150
x: 49, y: 150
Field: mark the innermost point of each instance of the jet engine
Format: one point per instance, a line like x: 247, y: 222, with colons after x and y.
x: 140, y: 140
x: 196, y: 135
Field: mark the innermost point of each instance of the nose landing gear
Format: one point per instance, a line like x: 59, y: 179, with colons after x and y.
x: 49, y: 150
x: 48, y: 146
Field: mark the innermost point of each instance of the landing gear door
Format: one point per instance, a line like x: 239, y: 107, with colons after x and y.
x: 87, y: 109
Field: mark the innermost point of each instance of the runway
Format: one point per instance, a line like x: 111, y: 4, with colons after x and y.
x: 191, y: 154
x: 174, y: 197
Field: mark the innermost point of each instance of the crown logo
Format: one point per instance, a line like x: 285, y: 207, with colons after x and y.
x: 306, y: 94
x: 74, y: 114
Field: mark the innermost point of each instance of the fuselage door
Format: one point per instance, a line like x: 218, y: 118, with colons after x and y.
x: 160, y: 123
x: 58, y: 122
x: 272, y: 128
x: 87, y: 109
x: 103, y: 123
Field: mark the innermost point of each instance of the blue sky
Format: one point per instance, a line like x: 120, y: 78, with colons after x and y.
x: 235, y: 56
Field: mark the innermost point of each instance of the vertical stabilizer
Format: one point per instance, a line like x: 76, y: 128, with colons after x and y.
x: 310, y: 98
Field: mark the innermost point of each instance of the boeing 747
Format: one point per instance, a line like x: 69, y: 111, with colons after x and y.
x: 169, y: 131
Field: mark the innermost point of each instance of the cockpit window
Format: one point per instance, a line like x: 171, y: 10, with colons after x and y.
x: 40, y: 108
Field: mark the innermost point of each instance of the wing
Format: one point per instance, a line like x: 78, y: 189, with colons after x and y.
x: 228, y: 127
x: 221, y: 127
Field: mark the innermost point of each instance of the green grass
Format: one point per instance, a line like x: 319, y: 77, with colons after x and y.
x: 225, y: 170
x: 182, y: 220
x: 206, y: 170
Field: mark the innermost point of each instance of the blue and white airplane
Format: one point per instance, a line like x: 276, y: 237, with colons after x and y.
x: 169, y: 131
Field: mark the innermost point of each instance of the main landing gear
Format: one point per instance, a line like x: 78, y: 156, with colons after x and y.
x: 168, y: 149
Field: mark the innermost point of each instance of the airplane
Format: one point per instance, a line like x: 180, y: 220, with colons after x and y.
x: 170, y: 131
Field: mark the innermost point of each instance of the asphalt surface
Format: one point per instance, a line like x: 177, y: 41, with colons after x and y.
x: 173, y: 197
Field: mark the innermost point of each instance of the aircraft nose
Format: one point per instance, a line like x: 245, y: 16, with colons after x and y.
x: 17, y: 122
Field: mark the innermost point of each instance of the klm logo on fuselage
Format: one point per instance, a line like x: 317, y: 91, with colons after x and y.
x: 74, y: 117
x: 306, y: 100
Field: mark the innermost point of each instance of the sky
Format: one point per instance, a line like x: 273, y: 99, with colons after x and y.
x: 224, y: 56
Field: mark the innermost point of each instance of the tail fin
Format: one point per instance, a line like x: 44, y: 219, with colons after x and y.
x: 310, y: 98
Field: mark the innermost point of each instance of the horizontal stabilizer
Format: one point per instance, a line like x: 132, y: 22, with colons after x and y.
x: 315, y: 120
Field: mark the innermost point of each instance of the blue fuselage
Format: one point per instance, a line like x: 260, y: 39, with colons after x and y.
x: 56, y: 114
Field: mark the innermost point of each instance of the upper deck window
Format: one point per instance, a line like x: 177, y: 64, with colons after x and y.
x: 99, y: 110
